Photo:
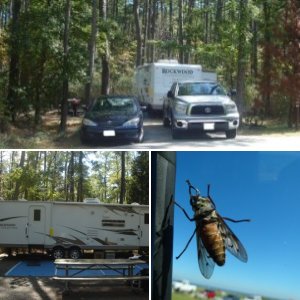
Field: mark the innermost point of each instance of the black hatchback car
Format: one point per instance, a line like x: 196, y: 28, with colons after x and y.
x: 118, y: 117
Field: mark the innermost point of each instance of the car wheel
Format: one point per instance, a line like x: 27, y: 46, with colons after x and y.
x: 83, y: 139
x: 140, y: 137
x: 231, y: 134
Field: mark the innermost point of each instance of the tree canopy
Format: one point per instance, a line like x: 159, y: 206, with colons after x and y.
x: 75, y: 175
x: 53, y: 50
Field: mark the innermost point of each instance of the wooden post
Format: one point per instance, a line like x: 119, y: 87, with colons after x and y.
x: 162, y: 216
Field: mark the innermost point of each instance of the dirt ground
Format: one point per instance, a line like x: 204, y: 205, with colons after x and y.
x: 41, y: 288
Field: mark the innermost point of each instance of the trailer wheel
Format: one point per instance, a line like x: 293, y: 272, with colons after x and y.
x: 75, y: 253
x: 58, y: 252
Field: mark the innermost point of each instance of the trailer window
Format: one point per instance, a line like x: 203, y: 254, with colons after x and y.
x: 37, y: 215
x: 146, y: 218
x: 113, y: 223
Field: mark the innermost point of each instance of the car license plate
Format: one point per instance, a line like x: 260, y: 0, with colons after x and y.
x: 209, y: 126
x: 109, y: 133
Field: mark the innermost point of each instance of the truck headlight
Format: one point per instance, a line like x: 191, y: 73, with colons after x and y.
x: 180, y: 107
x: 132, y: 122
x: 88, y: 122
x: 231, y: 108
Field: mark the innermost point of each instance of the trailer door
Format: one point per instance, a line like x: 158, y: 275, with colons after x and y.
x: 36, y: 225
x: 144, y: 229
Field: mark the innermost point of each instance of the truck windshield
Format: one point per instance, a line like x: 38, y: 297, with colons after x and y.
x: 200, y: 88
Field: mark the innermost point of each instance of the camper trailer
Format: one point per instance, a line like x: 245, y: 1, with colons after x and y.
x: 68, y: 228
x: 153, y: 81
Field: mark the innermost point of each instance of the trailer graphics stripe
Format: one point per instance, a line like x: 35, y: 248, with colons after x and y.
x: 10, y: 218
x: 66, y: 241
x: 104, y: 242
x: 120, y: 231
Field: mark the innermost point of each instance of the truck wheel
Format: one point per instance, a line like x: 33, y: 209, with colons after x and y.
x: 166, y: 121
x: 231, y: 134
x: 175, y: 132
x: 58, y: 252
x: 75, y: 253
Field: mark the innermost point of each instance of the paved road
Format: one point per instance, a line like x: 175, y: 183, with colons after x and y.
x: 159, y: 137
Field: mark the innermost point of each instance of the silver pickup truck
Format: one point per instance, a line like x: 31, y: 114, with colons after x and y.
x: 200, y: 106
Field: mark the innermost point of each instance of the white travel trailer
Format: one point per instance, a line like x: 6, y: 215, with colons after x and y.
x: 154, y: 80
x: 71, y: 227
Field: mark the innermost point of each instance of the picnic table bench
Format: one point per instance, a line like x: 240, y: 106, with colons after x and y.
x: 121, y: 269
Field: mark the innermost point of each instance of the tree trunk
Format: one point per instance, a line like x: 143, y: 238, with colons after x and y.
x: 92, y: 50
x: 170, y: 26
x: 65, y: 89
x: 105, y: 58
x: 145, y: 31
x: 138, y: 33
x: 71, y: 177
x: 14, y: 65
x: 81, y: 178
x: 19, y: 181
x: 267, y: 65
x: 218, y: 20
x: 242, y: 57
x: 206, y: 20
x: 180, y: 31
x: 123, y: 182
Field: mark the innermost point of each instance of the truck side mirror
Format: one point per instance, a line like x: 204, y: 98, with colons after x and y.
x: 170, y: 94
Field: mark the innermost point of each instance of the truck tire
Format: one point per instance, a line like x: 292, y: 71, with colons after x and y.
x: 58, y: 252
x: 175, y: 132
x: 231, y: 134
x: 166, y: 121
x: 75, y: 253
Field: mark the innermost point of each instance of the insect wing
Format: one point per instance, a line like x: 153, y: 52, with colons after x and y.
x: 206, y: 263
x: 232, y: 243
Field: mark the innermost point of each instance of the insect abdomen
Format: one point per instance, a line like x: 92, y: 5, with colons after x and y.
x: 213, y: 242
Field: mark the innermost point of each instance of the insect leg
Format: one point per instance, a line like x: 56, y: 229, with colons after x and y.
x: 191, y: 219
x: 236, y: 221
x: 187, y: 244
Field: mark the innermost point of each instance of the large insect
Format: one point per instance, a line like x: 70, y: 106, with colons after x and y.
x: 213, y: 234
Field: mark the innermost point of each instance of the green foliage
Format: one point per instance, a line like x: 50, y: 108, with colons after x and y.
x: 138, y: 185
x: 211, y: 37
x: 46, y: 175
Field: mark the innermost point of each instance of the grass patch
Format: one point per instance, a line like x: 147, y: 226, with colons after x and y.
x: 25, y: 136
x: 268, y: 127
x: 181, y: 296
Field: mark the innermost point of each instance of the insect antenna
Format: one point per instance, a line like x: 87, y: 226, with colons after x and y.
x: 208, y: 195
x: 192, y: 188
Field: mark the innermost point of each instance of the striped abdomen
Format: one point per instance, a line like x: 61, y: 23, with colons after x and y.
x: 213, y: 242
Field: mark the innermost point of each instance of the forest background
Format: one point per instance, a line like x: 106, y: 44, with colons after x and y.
x: 53, y: 50
x: 112, y: 177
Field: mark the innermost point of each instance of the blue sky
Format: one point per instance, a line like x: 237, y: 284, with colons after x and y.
x: 262, y: 186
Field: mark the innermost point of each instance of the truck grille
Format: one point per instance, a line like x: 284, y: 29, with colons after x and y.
x: 207, y: 110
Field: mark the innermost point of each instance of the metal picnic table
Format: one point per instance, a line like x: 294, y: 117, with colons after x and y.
x: 118, y: 267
